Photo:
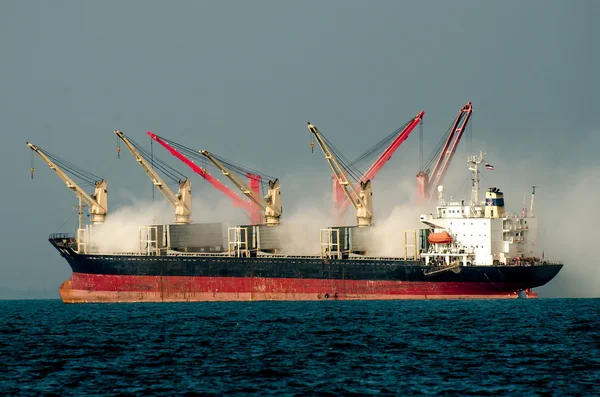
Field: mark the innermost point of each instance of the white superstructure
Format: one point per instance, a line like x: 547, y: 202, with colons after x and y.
x: 478, y: 232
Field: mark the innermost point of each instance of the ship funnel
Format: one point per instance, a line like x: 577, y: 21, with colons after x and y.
x: 494, y: 203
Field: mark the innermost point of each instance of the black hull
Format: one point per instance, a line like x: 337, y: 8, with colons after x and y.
x: 301, y: 274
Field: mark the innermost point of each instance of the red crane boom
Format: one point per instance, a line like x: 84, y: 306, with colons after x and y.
x: 380, y: 162
x: 253, y: 210
x: 427, y: 180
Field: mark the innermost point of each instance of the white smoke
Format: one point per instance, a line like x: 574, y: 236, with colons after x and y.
x: 567, y: 220
x: 212, y: 207
x: 390, y: 236
x: 566, y: 204
x: 565, y: 207
x: 394, y: 212
x: 301, y: 228
x: 120, y: 232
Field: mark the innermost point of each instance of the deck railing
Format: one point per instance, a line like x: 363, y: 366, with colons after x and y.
x: 59, y: 236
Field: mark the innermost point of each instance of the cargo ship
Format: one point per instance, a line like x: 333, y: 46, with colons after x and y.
x: 185, y: 278
x: 177, y: 277
x: 465, y: 251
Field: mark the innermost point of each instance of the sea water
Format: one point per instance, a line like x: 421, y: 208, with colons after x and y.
x: 328, y: 348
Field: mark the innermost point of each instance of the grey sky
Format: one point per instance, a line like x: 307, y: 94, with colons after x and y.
x: 243, y: 78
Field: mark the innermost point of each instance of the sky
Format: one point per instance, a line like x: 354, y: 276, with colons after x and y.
x: 241, y: 79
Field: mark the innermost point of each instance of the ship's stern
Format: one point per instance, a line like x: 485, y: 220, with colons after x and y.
x: 65, y: 244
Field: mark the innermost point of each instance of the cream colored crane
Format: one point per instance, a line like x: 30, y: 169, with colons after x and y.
x: 182, y: 201
x: 361, y: 200
x: 270, y: 204
x: 98, y: 202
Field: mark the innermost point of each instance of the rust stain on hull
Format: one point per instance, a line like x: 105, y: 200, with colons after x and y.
x: 167, y: 289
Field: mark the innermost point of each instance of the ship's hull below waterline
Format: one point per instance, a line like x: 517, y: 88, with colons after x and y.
x: 86, y: 288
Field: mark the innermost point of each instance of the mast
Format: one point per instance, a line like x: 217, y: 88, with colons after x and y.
x: 473, y: 163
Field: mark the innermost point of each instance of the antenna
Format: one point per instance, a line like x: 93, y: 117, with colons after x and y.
x: 473, y: 163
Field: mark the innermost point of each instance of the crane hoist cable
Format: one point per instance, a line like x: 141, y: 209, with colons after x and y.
x: 450, y: 139
x: 438, y: 150
x: 231, y: 165
x: 84, y: 176
x: 250, y: 208
x: 244, y: 171
x: 352, y: 171
x: 171, y: 173
x: 67, y: 172
x: 432, y: 174
x: 372, y: 152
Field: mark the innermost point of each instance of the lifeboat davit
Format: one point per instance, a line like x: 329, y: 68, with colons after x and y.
x: 439, y: 238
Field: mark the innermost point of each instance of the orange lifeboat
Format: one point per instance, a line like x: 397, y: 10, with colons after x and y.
x: 439, y: 238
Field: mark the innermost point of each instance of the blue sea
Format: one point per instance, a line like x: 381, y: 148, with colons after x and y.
x: 545, y: 347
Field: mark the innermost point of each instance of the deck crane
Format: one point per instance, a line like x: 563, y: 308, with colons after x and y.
x: 400, y: 136
x: 177, y: 150
x: 428, y: 179
x: 271, y: 203
x: 361, y: 200
x: 98, y: 201
x: 182, y: 201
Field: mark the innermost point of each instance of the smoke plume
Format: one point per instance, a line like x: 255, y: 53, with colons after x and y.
x: 565, y: 207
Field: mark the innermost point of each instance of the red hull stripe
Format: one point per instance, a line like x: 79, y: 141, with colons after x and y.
x: 343, y: 289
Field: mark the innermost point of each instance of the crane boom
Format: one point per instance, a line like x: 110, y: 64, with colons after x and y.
x: 182, y: 201
x: 98, y: 201
x: 426, y: 179
x: 271, y: 204
x: 250, y: 207
x: 386, y: 155
x: 363, y: 200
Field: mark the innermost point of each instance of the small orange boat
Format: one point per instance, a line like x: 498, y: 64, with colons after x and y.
x: 439, y: 238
